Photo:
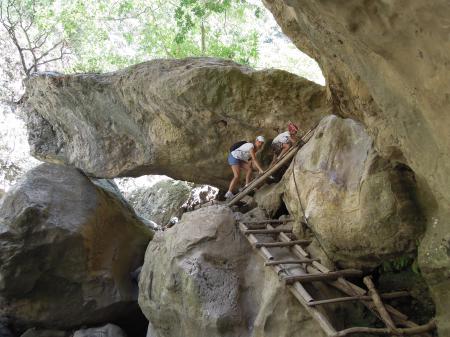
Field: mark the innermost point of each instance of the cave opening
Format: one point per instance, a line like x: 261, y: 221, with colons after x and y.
x: 281, y: 211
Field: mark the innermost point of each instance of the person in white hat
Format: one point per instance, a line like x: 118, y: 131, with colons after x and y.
x: 242, y: 156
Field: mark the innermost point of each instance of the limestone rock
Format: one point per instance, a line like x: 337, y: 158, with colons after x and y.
x: 202, y: 279
x: 162, y: 201
x: 33, y: 332
x: 200, y: 194
x: 171, y: 117
x: 4, y: 328
x: 362, y: 208
x: 108, y: 330
x: 67, y: 249
x: 387, y: 64
x: 268, y: 197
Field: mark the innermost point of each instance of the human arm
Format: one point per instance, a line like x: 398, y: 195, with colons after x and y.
x: 286, y: 147
x: 255, y: 161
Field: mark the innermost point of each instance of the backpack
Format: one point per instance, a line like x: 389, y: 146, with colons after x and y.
x: 237, y: 145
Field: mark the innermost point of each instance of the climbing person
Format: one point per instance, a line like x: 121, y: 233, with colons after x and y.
x: 283, y: 142
x: 242, y: 156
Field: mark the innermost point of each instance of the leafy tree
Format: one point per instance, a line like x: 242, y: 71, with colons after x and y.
x: 36, y: 39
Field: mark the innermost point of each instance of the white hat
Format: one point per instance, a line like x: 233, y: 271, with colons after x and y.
x: 260, y: 138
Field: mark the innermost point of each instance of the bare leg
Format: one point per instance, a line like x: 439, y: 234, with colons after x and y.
x: 248, y: 172
x: 235, y: 181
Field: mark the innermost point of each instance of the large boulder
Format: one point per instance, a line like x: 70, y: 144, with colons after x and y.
x: 161, y: 201
x: 387, y: 63
x: 67, y: 250
x: 172, y: 117
x: 108, y: 330
x: 361, y: 207
x: 202, y: 279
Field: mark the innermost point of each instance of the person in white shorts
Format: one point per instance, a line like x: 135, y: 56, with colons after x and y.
x: 283, y: 142
x: 243, y: 158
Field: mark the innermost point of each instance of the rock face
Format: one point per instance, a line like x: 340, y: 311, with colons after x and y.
x: 162, y: 201
x: 109, y: 330
x: 33, y: 332
x: 201, y: 279
x: 67, y: 249
x: 172, y: 117
x: 362, y: 208
x: 387, y: 64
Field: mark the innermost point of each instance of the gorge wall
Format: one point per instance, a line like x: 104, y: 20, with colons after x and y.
x: 387, y: 65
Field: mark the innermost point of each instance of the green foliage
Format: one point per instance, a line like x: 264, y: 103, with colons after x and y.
x: 105, y: 36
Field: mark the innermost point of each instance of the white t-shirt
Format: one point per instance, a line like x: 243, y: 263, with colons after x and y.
x: 243, y: 151
x: 282, y: 138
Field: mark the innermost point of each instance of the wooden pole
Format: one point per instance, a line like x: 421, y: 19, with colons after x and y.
x: 396, y: 294
x: 267, y: 231
x: 384, y: 315
x: 332, y: 275
x: 270, y: 263
x: 282, y: 244
x: 389, y: 331
x: 273, y: 221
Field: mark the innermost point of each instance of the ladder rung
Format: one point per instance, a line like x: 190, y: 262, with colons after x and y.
x: 396, y: 294
x: 261, y: 226
x: 282, y: 244
x: 271, y: 263
x: 332, y: 275
x: 260, y: 222
x: 267, y: 231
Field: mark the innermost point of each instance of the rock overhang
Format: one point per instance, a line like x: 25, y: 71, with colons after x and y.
x: 172, y: 117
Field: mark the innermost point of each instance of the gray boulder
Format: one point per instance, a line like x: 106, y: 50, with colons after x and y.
x: 67, y: 250
x: 202, y: 279
x: 108, y: 330
x: 33, y: 332
x: 361, y: 207
x: 162, y: 201
x: 171, y: 117
x: 4, y: 328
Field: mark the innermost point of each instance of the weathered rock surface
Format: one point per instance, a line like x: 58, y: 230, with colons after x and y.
x: 162, y: 201
x: 361, y: 207
x: 387, y: 64
x: 201, y: 279
x: 4, y: 328
x: 108, y: 330
x: 268, y: 197
x: 33, y: 332
x: 67, y: 248
x: 172, y: 117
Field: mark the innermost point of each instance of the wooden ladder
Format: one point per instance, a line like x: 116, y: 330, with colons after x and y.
x: 264, y: 237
